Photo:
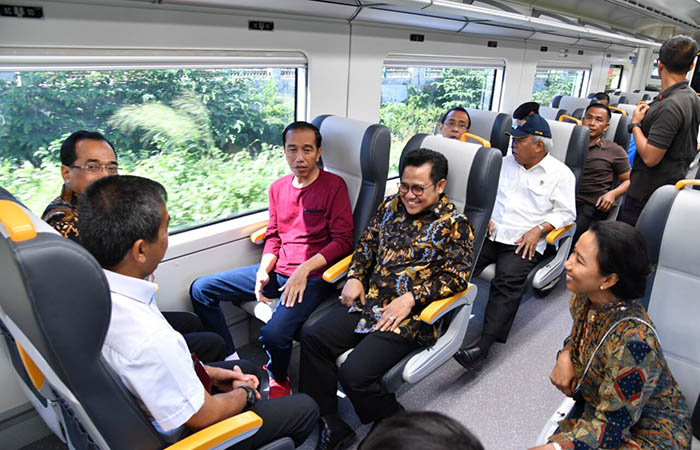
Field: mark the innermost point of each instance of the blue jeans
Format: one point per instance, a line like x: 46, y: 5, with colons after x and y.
x: 238, y: 286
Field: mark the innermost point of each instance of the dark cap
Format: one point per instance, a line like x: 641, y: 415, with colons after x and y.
x: 534, y: 125
x: 525, y: 109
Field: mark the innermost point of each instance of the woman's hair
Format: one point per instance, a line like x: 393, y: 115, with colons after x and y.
x: 425, y: 430
x: 622, y: 250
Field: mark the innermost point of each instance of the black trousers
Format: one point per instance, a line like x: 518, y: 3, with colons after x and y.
x: 207, y: 345
x: 373, y: 355
x: 507, y: 287
x: 586, y: 215
x: 630, y: 210
x: 293, y: 416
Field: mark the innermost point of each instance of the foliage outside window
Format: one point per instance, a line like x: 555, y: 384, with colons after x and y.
x: 415, y: 98
x: 614, y: 77
x: 211, y: 137
x: 552, y: 82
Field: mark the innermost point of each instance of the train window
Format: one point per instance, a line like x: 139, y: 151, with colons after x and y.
x: 414, y: 97
x: 558, y: 81
x: 614, y: 76
x: 211, y: 136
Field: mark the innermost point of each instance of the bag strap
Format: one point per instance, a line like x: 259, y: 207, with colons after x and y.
x: 590, y: 360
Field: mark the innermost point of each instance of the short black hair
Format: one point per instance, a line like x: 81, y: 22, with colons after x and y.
x: 623, y: 250
x: 595, y: 104
x: 602, y: 96
x: 456, y: 108
x: 418, y: 157
x: 678, y: 53
x: 426, y: 430
x: 68, y: 155
x: 116, y: 211
x: 301, y: 125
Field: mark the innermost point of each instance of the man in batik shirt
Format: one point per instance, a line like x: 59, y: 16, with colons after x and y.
x: 86, y: 156
x: 417, y: 249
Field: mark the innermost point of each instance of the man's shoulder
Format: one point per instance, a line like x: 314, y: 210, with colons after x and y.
x: 552, y: 165
x: 613, y: 146
x: 328, y: 178
x: 282, y: 181
x: 57, y: 207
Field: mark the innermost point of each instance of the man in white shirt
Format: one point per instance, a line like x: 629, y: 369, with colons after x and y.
x: 124, y: 225
x: 536, y: 194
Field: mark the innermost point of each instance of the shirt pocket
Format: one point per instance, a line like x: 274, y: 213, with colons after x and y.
x: 540, y: 190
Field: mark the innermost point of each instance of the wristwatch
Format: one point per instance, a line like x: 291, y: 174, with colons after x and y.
x: 250, y: 396
x: 633, y: 125
x: 541, y: 227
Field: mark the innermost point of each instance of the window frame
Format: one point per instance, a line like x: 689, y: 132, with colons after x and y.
x: 584, y: 78
x: 619, y: 80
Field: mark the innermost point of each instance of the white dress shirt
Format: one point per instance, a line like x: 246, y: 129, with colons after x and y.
x: 151, y: 359
x: 526, y: 198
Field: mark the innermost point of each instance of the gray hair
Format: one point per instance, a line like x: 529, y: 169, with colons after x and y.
x: 548, y: 143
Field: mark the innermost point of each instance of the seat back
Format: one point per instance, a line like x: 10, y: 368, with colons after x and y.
x: 617, y: 131
x: 55, y: 302
x: 359, y: 153
x: 669, y: 223
x: 615, y: 99
x: 630, y: 97
x: 552, y: 113
x: 472, y: 178
x: 570, y: 146
x: 569, y: 103
x: 628, y: 108
x: 492, y: 126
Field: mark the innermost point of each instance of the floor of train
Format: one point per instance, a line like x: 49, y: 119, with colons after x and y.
x: 505, y: 404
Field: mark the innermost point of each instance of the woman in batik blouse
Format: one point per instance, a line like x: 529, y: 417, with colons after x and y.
x: 627, y: 398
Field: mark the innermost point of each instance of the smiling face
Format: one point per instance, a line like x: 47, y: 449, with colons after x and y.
x: 301, y: 153
x: 597, y: 121
x: 414, y: 178
x: 582, y: 269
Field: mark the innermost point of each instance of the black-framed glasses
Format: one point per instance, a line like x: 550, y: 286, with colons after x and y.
x: 111, y: 169
x: 415, y: 189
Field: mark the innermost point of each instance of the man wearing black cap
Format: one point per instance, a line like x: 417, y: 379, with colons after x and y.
x: 535, y: 196
x: 605, y: 162
x: 665, y: 130
x: 525, y: 110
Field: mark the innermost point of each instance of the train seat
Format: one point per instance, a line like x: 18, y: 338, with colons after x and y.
x: 491, y: 126
x: 472, y: 183
x: 628, y: 108
x: 631, y: 97
x: 58, y: 319
x: 358, y: 152
x: 570, y: 103
x: 552, y: 113
x: 668, y: 223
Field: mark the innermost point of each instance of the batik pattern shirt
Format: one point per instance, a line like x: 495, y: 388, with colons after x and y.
x: 429, y: 254
x: 631, y: 398
x: 62, y: 214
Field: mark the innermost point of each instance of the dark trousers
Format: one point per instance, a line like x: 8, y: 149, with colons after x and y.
x: 507, y: 287
x: 293, y: 416
x: 630, y: 211
x: 208, y: 346
x: 239, y: 286
x: 373, y: 355
x: 586, y: 215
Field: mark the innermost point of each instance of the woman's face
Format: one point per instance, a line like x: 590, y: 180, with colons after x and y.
x: 582, y: 270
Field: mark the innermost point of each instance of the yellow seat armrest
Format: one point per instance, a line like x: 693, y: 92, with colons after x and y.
x: 257, y: 236
x: 479, y: 139
x: 32, y: 369
x: 434, y: 309
x: 337, y: 269
x: 680, y: 184
x: 554, y: 235
x: 218, y: 433
x: 16, y: 221
x: 564, y: 117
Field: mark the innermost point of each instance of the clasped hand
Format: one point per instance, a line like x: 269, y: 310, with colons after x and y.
x: 225, y: 380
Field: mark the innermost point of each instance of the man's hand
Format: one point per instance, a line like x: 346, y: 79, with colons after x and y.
x: 605, y: 201
x: 639, y: 113
x: 261, y: 279
x: 395, y: 312
x: 563, y: 376
x: 528, y: 243
x: 225, y: 380
x: 543, y: 447
x: 492, y: 225
x: 352, y: 290
x: 294, y: 287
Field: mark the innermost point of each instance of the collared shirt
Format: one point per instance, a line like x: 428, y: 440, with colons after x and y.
x: 429, y: 254
x: 605, y: 162
x: 632, y: 400
x: 150, y: 358
x: 62, y: 214
x: 529, y: 197
x: 671, y: 123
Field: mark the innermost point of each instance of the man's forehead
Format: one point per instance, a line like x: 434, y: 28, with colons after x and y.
x: 303, y: 135
x: 457, y: 115
x: 94, y: 149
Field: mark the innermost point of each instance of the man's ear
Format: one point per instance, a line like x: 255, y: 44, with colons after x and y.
x: 137, y: 251
x: 65, y: 173
x: 441, y: 185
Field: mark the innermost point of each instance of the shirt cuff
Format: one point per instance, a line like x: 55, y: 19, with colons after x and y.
x: 556, y: 445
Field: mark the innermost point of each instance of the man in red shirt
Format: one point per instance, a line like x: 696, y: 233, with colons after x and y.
x: 310, y: 228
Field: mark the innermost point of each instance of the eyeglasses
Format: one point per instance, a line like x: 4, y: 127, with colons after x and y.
x: 458, y: 125
x: 417, y: 190
x: 111, y: 169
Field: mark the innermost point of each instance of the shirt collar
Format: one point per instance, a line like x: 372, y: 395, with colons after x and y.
x: 140, y: 290
x: 669, y: 90
x: 602, y: 143
x: 546, y: 164
x: 69, y: 196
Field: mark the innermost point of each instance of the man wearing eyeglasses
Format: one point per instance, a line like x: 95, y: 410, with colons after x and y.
x: 454, y: 123
x: 417, y: 249
x: 86, y: 156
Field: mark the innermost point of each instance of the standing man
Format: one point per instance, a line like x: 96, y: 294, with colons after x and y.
x: 86, y: 156
x: 605, y: 162
x: 665, y: 130
x: 310, y: 228
x: 454, y: 123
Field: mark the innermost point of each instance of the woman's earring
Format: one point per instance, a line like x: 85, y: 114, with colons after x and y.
x: 601, y: 287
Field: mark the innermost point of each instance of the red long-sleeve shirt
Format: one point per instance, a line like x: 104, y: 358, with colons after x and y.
x: 305, y: 221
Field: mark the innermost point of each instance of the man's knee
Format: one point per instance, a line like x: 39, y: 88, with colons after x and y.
x: 350, y: 376
x: 199, y: 294
x: 274, y: 336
